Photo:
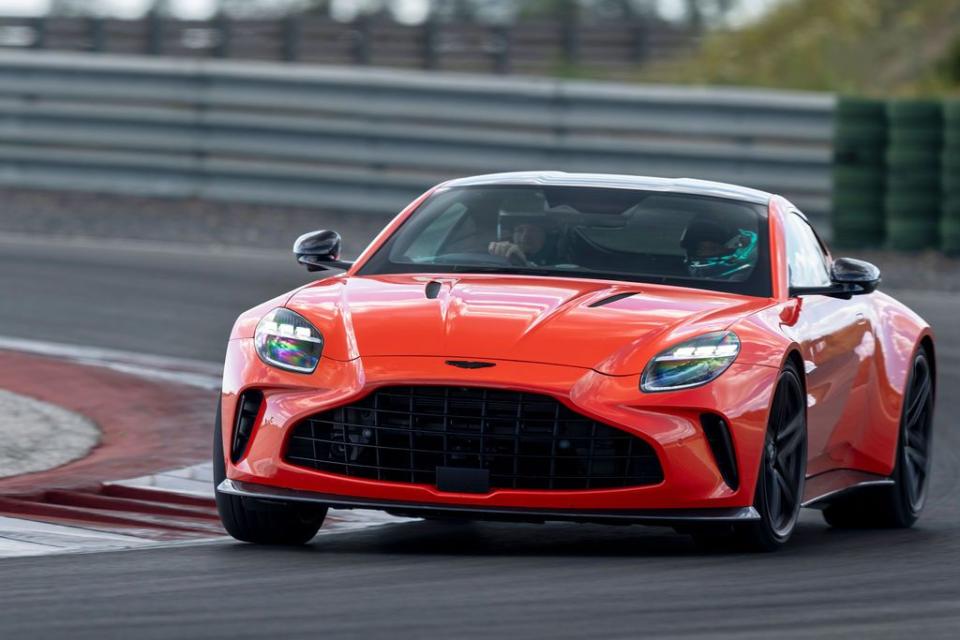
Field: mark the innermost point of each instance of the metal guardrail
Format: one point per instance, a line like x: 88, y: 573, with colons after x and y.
x: 525, y: 46
x: 370, y: 140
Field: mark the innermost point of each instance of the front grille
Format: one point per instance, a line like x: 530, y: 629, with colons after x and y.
x: 524, y: 441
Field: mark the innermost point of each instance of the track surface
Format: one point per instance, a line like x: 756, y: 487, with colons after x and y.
x: 428, y: 579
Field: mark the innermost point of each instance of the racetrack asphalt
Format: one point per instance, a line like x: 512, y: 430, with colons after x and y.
x: 425, y: 579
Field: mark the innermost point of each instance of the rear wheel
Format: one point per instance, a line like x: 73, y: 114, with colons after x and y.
x: 898, y: 506
x: 261, y: 523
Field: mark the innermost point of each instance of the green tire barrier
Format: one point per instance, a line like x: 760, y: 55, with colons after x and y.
x: 923, y: 158
x: 852, y: 109
x: 912, y: 234
x: 950, y: 180
x: 915, y: 113
x: 950, y: 232
x: 913, y: 204
x: 913, y: 200
x: 860, y: 203
x: 854, y: 155
x: 951, y: 112
x: 856, y: 234
x: 859, y: 154
x: 930, y: 137
x: 857, y: 132
x: 859, y: 180
x: 913, y: 181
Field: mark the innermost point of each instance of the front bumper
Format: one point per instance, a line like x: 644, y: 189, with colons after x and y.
x: 669, y: 422
x: 666, y: 517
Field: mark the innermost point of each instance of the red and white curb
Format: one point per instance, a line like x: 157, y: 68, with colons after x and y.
x: 155, y: 510
x: 94, y: 503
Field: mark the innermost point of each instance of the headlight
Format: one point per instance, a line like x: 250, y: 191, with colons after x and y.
x: 286, y: 340
x: 691, y: 363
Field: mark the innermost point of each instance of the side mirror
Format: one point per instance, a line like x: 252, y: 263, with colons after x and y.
x: 849, y: 277
x: 320, y: 251
x: 858, y: 276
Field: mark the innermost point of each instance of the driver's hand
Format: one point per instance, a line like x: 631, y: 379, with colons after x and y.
x: 508, y: 250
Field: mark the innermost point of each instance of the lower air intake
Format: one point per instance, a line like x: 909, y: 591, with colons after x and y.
x: 248, y: 408
x: 522, y: 440
x: 721, y: 444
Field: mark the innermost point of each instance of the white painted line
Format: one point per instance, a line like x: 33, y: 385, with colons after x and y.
x: 194, y: 373
x: 129, y: 245
x: 20, y: 537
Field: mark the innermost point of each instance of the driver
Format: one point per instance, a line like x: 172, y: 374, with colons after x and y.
x: 715, y: 251
x: 527, y: 246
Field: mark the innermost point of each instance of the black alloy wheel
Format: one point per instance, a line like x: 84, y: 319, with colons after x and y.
x: 898, y: 506
x: 915, y: 437
x: 785, y: 453
x: 779, y: 493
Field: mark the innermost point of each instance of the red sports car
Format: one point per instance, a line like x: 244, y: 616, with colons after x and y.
x: 601, y: 348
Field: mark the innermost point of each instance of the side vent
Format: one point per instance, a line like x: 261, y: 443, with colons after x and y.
x: 721, y: 444
x: 248, y: 408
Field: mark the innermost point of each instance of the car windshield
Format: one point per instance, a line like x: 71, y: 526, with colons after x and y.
x: 584, y: 232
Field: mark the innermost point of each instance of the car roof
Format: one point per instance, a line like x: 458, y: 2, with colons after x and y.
x: 615, y: 181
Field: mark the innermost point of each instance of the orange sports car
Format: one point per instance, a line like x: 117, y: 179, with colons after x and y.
x: 600, y: 348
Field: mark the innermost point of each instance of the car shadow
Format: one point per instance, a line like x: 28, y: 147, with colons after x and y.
x: 569, y: 540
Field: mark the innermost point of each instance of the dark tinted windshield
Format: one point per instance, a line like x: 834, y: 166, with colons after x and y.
x: 621, y: 234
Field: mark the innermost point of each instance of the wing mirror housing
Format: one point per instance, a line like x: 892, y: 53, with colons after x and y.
x: 320, y: 251
x: 849, y: 277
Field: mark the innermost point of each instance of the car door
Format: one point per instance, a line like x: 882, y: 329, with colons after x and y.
x: 834, y: 337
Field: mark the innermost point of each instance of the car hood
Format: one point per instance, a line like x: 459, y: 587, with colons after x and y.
x: 612, y: 327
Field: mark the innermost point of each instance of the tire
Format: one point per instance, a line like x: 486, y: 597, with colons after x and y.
x: 950, y: 236
x: 852, y: 200
x: 913, y: 181
x: 922, y: 137
x: 951, y: 162
x: 856, y: 180
x: 950, y: 183
x: 850, y: 155
x: 855, y: 108
x: 851, y: 234
x: 912, y: 235
x: 779, y: 492
x: 951, y: 112
x: 915, y: 113
x: 912, y: 205
x: 898, y: 506
x: 915, y: 158
x: 274, y: 524
x: 859, y: 134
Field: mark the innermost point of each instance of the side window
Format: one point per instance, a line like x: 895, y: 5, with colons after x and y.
x: 805, y: 257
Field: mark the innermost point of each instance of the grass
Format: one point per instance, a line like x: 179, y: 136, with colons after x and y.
x: 871, y: 47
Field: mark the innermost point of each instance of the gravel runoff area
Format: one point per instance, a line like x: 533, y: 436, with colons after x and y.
x: 38, y: 436
x: 208, y: 223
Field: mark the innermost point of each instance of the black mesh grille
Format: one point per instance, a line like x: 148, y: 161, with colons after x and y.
x: 525, y: 441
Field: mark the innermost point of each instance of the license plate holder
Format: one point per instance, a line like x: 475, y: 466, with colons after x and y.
x: 458, y: 480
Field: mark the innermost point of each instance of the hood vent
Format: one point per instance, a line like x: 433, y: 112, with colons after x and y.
x: 432, y: 289
x: 613, y: 298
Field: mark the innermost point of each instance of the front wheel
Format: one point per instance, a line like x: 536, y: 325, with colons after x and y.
x: 779, y: 492
x: 276, y: 524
